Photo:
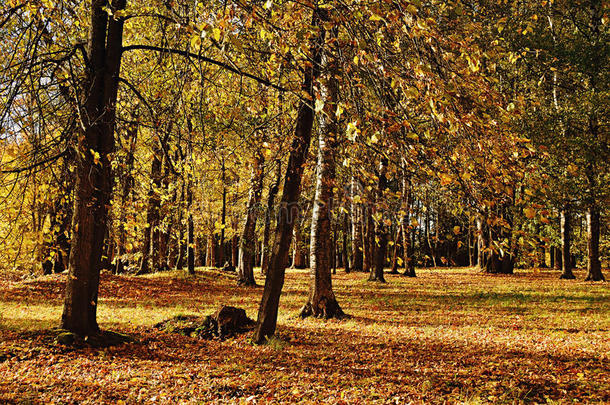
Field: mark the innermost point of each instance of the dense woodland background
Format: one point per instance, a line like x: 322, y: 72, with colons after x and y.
x: 139, y: 137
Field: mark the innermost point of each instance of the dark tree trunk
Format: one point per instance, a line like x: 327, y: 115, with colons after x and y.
x: 190, y: 228
x: 209, y: 251
x: 541, y: 254
x: 56, y: 245
x: 566, y: 231
x: 558, y: 258
x: 397, y: 239
x: 267, y: 313
x: 594, y: 267
x: 128, y: 183
x: 220, y: 254
x: 247, y: 247
x: 235, y: 250
x: 273, y: 190
x: 299, y: 259
x: 322, y: 302
x: 482, y: 244
x: 344, y: 246
x: 150, y: 244
x: 498, y: 261
x: 369, y: 241
x: 357, y: 236
x: 407, y: 240
x: 94, y: 181
x: 165, y: 229
x: 379, y: 242
x: 180, y: 238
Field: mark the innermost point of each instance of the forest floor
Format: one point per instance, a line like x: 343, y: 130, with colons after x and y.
x: 449, y: 335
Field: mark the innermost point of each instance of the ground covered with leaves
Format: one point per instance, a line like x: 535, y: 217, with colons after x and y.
x: 446, y: 336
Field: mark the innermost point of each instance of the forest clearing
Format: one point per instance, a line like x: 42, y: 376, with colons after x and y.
x: 449, y: 335
x: 394, y: 201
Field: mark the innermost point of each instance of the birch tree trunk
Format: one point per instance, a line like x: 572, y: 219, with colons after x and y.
x: 322, y: 302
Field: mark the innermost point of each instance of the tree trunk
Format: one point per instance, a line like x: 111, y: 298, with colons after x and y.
x: 498, y: 261
x: 94, y: 181
x: 180, y: 238
x: 165, y: 229
x: 357, y: 248
x: 190, y: 231
x: 267, y: 313
x: 379, y: 243
x: 273, y: 190
x: 397, y: 239
x: 344, y: 246
x: 247, y: 247
x: 235, y: 250
x: 369, y: 241
x: 322, y: 302
x: 128, y: 182
x: 566, y: 231
x: 594, y: 267
x: 209, y: 251
x: 407, y: 228
x: 482, y: 244
x: 56, y: 246
x: 299, y: 261
x: 558, y: 258
x: 150, y: 244
x: 220, y: 258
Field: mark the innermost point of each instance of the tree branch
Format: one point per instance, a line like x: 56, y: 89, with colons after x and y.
x: 204, y: 59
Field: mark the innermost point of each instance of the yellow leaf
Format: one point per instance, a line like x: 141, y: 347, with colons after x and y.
x: 319, y: 105
x: 445, y: 179
x: 339, y: 111
x: 529, y: 212
x: 216, y: 34
x: 456, y: 229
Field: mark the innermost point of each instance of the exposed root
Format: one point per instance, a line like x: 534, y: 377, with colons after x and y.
x: 325, y: 309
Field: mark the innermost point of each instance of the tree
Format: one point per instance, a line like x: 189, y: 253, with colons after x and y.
x: 378, y: 252
x: 321, y: 302
x: 93, y: 172
x: 267, y: 313
x: 274, y: 188
x: 247, y: 245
